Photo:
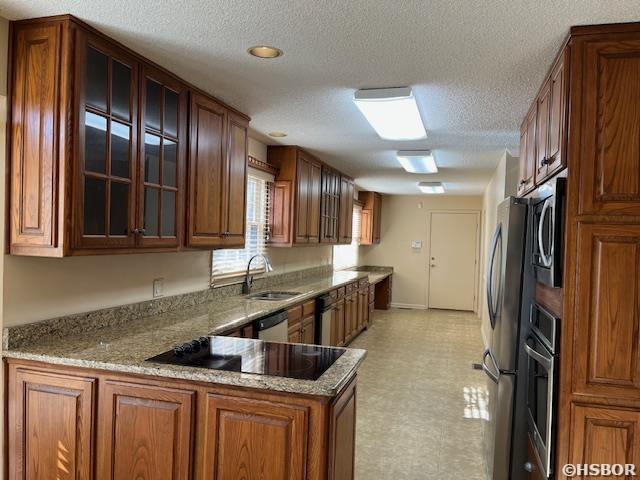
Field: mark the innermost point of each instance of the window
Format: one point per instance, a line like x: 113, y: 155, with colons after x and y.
x: 346, y: 256
x: 230, y: 263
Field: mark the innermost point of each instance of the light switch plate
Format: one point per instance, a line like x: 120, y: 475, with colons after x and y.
x: 416, y: 243
x: 158, y: 287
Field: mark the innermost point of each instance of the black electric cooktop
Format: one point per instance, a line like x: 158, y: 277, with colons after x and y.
x: 304, y: 362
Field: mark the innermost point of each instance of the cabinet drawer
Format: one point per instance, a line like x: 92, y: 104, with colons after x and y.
x: 363, y: 282
x: 349, y: 288
x: 341, y: 292
x: 295, y: 314
x: 308, y: 307
x: 333, y: 294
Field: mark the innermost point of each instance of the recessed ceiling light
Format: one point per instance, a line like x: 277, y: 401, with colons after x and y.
x: 392, y: 112
x: 417, y: 161
x: 431, y: 187
x: 265, y: 51
x: 277, y: 134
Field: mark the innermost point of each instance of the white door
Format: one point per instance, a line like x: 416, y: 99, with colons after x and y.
x: 453, y: 260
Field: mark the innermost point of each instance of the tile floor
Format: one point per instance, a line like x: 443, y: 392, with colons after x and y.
x: 420, y: 405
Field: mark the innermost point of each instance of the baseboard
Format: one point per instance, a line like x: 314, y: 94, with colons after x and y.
x: 411, y: 306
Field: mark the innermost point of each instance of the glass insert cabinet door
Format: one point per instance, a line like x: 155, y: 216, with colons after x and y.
x: 105, y: 199
x: 162, y: 116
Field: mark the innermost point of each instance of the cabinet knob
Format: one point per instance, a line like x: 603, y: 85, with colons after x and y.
x: 139, y: 231
x: 529, y: 467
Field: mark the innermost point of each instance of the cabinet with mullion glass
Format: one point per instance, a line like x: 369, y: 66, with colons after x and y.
x: 105, y: 197
x: 163, y: 110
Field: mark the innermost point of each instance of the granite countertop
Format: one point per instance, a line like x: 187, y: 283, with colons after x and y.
x: 125, y: 347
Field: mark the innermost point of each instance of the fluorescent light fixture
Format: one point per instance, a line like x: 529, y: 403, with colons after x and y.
x: 392, y: 112
x: 417, y: 161
x: 431, y: 187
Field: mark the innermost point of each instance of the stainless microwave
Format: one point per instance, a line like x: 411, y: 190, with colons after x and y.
x: 548, y: 210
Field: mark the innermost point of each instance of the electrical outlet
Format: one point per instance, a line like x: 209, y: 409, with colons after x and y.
x: 158, y: 287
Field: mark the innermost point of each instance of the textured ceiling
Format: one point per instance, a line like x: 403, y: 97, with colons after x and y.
x: 474, y: 66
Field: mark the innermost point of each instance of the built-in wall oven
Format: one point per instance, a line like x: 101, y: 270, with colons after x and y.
x: 548, y: 215
x: 541, y: 348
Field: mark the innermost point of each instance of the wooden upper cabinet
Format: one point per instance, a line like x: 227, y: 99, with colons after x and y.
x: 371, y: 220
x: 296, y: 207
x: 551, y: 122
x: 144, y: 432
x: 37, y: 209
x: 345, y: 225
x: 607, y: 142
x: 50, y: 434
x: 205, y: 224
x: 162, y: 158
x: 98, y: 147
x: 330, y: 207
x: 528, y: 152
x: 236, y: 180
x: 217, y: 175
x: 105, y: 165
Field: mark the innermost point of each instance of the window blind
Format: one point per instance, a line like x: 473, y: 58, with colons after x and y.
x: 229, y: 263
x: 346, y: 256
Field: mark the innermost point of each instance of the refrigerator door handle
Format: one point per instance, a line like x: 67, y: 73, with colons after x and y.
x: 494, y: 376
x: 490, y: 292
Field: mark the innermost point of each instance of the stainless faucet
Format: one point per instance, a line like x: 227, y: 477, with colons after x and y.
x: 248, y: 279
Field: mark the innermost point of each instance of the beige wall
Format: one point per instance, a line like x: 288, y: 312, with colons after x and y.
x: 406, y: 218
x: 503, y: 183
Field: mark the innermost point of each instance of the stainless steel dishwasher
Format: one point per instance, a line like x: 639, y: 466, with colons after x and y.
x: 273, y: 328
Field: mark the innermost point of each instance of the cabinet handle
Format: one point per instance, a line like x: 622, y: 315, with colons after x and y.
x: 139, y: 231
x: 544, y: 161
x: 522, y: 182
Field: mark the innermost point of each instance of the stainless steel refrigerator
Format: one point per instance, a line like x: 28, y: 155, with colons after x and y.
x: 505, y: 433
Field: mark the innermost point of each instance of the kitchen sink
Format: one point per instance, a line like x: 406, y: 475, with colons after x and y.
x: 273, y: 295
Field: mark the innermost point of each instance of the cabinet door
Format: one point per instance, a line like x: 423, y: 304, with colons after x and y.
x: 207, y: 152
x: 235, y: 181
x: 302, y: 200
x: 245, y: 435
x: 527, y: 161
x: 557, y: 120
x: 330, y: 207
x: 608, y: 288
x: 337, y: 323
x: 34, y: 129
x: 308, y: 330
x: 366, y: 227
x: 542, y: 127
x: 162, y: 154
x: 144, y: 432
x: 314, y: 198
x: 106, y: 164
x: 342, y: 435
x: 50, y: 425
x: 346, y: 210
x: 609, y: 144
x: 604, y: 435
x: 377, y: 217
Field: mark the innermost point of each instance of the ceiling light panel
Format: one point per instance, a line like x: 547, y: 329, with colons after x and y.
x: 431, y: 187
x: 417, y: 161
x: 392, y: 112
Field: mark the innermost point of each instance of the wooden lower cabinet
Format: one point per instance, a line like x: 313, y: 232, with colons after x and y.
x: 246, y: 435
x: 383, y: 290
x: 50, y: 424
x: 337, y: 323
x: 605, y: 435
x: 158, y: 428
x: 302, y: 323
x: 144, y: 431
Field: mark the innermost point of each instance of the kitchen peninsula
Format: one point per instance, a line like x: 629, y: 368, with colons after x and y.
x: 85, y: 387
